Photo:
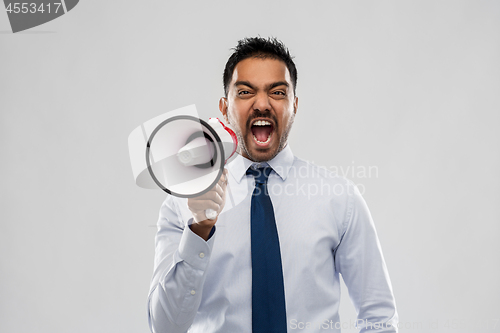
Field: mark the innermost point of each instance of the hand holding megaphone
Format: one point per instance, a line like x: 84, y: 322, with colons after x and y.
x: 211, y: 202
x: 201, y: 151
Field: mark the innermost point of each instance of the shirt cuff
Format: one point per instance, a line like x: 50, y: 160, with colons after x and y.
x: 195, y: 250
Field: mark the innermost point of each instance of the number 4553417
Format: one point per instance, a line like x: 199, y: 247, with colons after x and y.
x: 25, y: 7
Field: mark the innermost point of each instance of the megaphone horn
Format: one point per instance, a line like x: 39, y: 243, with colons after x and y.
x: 184, y: 155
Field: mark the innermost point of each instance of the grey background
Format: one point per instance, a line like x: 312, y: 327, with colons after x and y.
x: 410, y: 87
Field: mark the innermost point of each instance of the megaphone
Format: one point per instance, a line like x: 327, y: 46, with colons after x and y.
x: 181, y: 153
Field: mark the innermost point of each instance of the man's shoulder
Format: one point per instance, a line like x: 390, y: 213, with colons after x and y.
x: 308, y: 169
x: 319, y: 181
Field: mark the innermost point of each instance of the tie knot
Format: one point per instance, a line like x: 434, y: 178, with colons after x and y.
x: 260, y: 174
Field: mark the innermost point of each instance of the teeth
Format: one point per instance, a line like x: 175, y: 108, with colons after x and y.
x: 262, y: 123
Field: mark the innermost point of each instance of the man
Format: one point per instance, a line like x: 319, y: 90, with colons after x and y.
x: 306, y: 224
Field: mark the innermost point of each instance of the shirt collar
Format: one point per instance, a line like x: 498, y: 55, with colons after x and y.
x: 281, y: 164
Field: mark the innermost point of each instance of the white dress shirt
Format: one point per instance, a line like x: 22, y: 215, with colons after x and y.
x: 324, y: 229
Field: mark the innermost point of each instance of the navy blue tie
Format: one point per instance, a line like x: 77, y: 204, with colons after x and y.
x: 268, y: 293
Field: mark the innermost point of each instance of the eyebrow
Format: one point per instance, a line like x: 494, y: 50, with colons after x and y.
x: 271, y: 86
x: 244, y: 83
x: 277, y: 84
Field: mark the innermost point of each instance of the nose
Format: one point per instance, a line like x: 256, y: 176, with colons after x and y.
x: 261, y: 102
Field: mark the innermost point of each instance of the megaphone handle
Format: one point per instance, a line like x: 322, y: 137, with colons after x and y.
x: 210, y: 214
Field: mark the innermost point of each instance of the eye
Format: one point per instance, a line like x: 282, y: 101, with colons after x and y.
x: 243, y: 92
x: 279, y: 93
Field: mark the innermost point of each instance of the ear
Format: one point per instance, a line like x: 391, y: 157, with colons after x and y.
x: 223, y: 108
x: 295, y: 105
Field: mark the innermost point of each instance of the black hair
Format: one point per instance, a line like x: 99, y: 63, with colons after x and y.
x: 262, y: 48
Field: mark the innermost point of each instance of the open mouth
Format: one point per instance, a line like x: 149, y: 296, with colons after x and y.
x: 262, y: 131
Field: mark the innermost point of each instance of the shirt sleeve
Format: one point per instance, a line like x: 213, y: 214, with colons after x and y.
x: 181, y: 260
x: 360, y: 261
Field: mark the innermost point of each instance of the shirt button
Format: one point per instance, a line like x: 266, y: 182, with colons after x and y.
x: 202, y: 255
x: 193, y: 292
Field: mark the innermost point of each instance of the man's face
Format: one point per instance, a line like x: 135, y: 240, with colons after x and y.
x: 260, y: 106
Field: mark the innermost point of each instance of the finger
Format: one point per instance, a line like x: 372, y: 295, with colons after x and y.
x: 224, y: 177
x: 209, y: 196
x: 217, y: 198
x: 220, y: 189
x: 200, y: 206
x: 210, y: 193
x: 222, y: 180
x: 216, y: 194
